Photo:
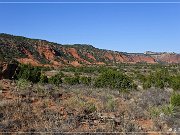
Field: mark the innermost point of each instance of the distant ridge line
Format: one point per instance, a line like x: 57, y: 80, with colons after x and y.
x: 44, y: 53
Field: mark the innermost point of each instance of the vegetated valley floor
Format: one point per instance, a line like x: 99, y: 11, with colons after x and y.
x: 123, y: 98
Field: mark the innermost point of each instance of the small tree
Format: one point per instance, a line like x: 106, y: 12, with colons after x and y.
x: 57, y: 79
x: 43, y: 79
x: 175, y: 82
x: 113, y: 79
x: 71, y: 80
x: 29, y: 73
x: 85, y: 80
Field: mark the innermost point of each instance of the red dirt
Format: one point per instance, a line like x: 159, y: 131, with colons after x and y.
x: 169, y: 58
x: 47, y: 51
x: 90, y: 56
x: 138, y: 58
x: 146, y: 124
x: 28, y: 54
x: 100, y: 63
x: 121, y: 58
x: 56, y: 63
x: 109, y: 56
x: 74, y: 53
x: 29, y: 61
x: 75, y: 64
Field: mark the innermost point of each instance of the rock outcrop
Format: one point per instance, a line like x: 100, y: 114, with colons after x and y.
x: 44, y: 53
x: 167, y: 57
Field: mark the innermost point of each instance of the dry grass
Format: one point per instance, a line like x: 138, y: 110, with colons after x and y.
x: 81, y: 109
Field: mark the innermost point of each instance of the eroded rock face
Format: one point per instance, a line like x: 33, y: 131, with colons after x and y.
x: 29, y: 61
x: 74, y: 53
x: 167, y: 57
x: 121, y: 58
x: 44, y: 53
x: 113, y: 57
x: 141, y: 58
x: 8, y: 71
x: 47, y: 52
x: 90, y: 56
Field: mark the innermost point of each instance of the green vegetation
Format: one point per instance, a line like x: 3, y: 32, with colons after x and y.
x: 110, y: 77
x: 23, y: 84
x: 113, y: 79
x: 71, y: 80
x: 103, y: 98
x: 85, y: 80
x: 161, y: 78
x: 83, y: 69
x: 110, y: 104
x: 89, y: 108
x: 43, y: 79
x: 30, y: 73
x: 175, y: 99
x: 154, y: 111
x: 57, y: 79
x: 175, y: 82
x: 100, y: 95
x: 168, y: 109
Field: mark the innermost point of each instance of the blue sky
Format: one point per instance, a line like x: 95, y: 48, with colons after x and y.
x: 120, y: 27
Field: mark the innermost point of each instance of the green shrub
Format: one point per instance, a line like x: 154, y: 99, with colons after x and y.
x: 155, y: 111
x: 85, y: 80
x: 77, y: 74
x: 113, y: 79
x: 43, y: 79
x: 110, y: 104
x: 175, y: 82
x: 159, y: 84
x: 35, y: 75
x: 158, y: 79
x: 23, y: 84
x: 29, y: 73
x: 56, y: 80
x: 140, y: 76
x: 71, y: 80
x: 168, y: 109
x: 90, y: 108
x: 146, y: 84
x: 175, y: 99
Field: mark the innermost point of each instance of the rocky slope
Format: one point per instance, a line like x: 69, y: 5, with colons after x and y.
x: 43, y: 53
